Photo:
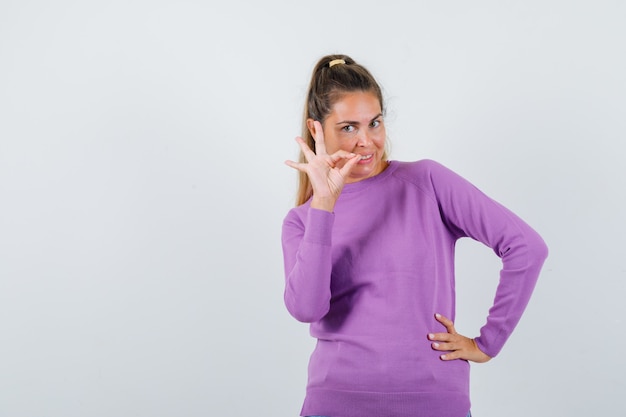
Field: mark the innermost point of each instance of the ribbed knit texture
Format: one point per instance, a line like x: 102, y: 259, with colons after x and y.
x: 370, y: 277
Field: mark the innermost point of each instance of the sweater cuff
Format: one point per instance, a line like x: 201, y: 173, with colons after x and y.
x: 319, y: 226
x: 492, y: 353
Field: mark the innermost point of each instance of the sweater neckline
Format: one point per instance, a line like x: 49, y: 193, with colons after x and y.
x: 367, y: 182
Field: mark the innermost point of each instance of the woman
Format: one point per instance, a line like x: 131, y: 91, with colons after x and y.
x: 369, y: 261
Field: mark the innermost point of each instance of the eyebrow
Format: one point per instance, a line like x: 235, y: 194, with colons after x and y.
x: 350, y: 122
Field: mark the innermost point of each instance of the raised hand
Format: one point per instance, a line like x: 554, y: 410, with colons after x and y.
x: 327, y: 173
x: 457, y: 346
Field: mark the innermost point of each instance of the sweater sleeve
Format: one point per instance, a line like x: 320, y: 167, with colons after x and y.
x: 469, y: 212
x: 308, y: 264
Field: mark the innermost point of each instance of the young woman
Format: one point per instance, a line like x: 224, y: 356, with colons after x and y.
x: 369, y: 261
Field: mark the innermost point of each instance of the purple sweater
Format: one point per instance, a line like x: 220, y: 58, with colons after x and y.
x: 370, y: 277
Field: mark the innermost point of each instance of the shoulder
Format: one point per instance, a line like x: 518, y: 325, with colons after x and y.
x: 423, y: 173
x: 433, y: 178
x: 418, y: 168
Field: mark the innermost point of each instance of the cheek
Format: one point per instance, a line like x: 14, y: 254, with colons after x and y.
x: 344, y: 144
x: 349, y: 145
x: 379, y: 138
x: 379, y: 142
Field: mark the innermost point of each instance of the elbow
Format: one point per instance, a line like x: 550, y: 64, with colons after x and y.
x: 307, y: 317
x: 306, y: 313
x: 529, y: 252
x: 539, y: 250
x: 536, y: 254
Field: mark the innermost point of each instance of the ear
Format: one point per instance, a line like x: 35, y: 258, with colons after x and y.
x: 310, y: 124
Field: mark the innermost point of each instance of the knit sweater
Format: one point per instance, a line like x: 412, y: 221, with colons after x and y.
x: 370, y: 276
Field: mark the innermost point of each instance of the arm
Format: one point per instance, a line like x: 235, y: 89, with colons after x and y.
x: 307, y: 242
x: 308, y: 264
x: 468, y: 212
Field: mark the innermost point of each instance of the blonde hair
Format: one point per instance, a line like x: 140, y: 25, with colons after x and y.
x: 333, y: 76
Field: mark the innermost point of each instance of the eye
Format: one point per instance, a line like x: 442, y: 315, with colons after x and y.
x: 375, y: 123
x: 348, y: 129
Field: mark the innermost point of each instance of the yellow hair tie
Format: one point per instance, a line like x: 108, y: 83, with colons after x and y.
x: 335, y: 62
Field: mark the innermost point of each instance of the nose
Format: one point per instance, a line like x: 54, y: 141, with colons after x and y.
x: 363, y: 139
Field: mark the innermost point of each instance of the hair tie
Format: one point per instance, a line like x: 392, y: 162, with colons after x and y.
x: 335, y: 62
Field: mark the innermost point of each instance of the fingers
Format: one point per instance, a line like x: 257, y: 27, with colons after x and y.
x: 308, y: 152
x: 331, y: 160
x: 352, y: 161
x: 456, y: 354
x: 464, y: 348
x: 447, y: 323
x: 341, y: 154
x: 450, y: 341
x: 445, y: 341
x: 318, y: 135
x: 455, y: 345
x: 308, y: 155
x: 296, y: 165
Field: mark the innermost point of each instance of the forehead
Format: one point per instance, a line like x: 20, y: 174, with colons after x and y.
x: 355, y: 106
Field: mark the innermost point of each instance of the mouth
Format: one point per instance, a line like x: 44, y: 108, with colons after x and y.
x: 366, y: 159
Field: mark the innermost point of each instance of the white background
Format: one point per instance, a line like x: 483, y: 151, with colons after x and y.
x: 142, y: 190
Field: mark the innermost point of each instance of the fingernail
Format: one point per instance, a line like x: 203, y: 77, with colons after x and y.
x: 431, y: 336
x: 443, y: 356
x: 438, y: 315
x: 435, y: 345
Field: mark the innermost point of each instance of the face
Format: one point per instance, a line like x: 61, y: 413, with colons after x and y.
x: 355, y: 124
